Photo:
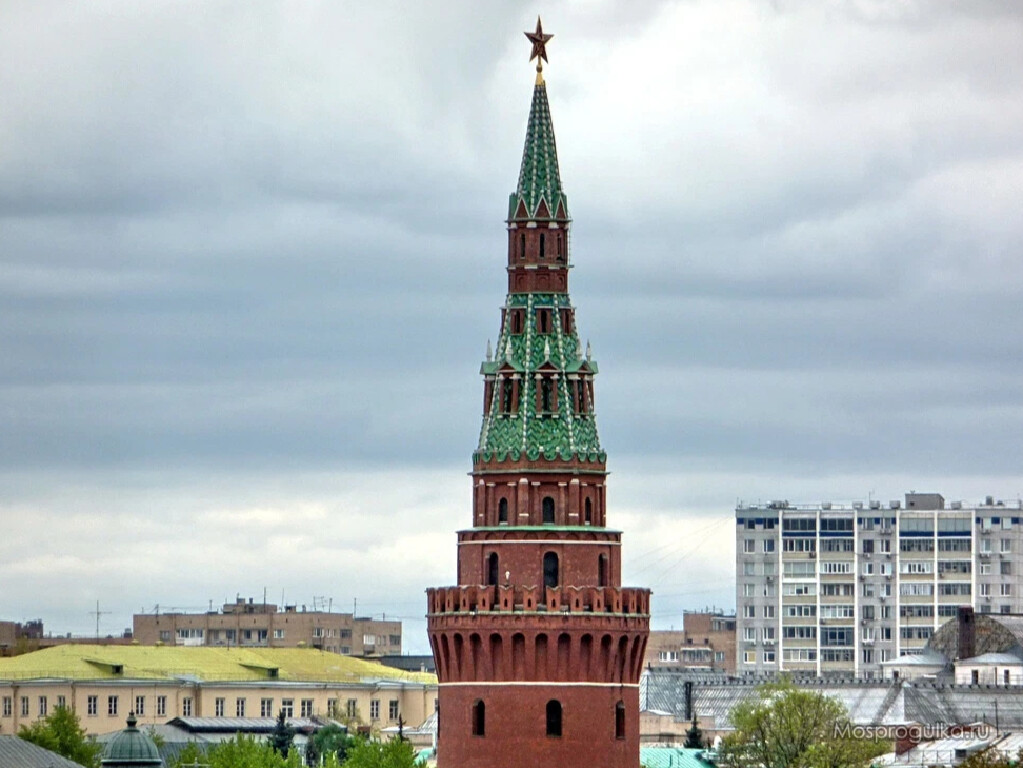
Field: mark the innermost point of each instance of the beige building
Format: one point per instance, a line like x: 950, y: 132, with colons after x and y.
x: 103, y: 683
x: 247, y: 624
x: 706, y: 643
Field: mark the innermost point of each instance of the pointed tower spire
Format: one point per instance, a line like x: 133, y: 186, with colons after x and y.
x: 519, y: 643
x: 538, y: 194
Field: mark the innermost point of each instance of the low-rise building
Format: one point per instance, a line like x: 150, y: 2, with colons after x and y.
x: 103, y: 683
x: 247, y: 624
x: 15, y: 635
x: 705, y: 643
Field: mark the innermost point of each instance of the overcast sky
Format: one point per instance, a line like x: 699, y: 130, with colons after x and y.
x: 251, y: 255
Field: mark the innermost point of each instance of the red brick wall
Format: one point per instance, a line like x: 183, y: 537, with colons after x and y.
x: 515, y: 733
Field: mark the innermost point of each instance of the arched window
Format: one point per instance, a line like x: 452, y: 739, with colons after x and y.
x: 543, y: 321
x: 550, y: 569
x: 542, y: 248
x: 479, y: 719
x: 546, y: 395
x: 522, y: 246
x: 620, y: 720
x: 601, y: 571
x: 548, y: 510
x: 588, y: 513
x: 561, y: 250
x: 502, y: 512
x: 506, y: 395
x: 492, y: 569
x: 553, y: 717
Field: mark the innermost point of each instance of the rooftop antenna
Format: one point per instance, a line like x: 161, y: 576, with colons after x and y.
x: 97, y: 613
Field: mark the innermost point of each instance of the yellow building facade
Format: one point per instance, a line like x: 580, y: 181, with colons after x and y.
x: 103, y: 683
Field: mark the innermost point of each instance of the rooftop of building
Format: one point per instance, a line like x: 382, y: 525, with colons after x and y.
x: 243, y: 606
x: 16, y: 752
x: 869, y: 702
x: 201, y: 664
x: 913, y: 502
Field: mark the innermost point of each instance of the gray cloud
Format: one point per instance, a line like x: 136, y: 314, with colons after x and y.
x: 250, y: 258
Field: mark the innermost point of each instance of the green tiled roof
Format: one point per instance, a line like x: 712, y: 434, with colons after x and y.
x: 539, y: 177
x: 562, y: 433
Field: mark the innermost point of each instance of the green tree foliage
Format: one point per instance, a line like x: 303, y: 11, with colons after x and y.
x: 282, y: 735
x: 191, y: 755
x: 694, y: 736
x: 388, y: 754
x: 242, y: 751
x: 61, y: 732
x: 329, y: 740
x: 989, y: 758
x: 785, y: 727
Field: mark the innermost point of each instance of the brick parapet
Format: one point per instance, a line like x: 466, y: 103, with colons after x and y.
x: 475, y: 599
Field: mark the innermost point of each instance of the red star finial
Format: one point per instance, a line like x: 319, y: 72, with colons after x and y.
x: 539, y: 41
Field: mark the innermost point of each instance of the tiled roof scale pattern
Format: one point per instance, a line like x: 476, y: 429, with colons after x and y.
x: 539, y: 177
x: 561, y: 430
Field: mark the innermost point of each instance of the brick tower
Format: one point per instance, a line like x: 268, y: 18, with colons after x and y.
x: 539, y: 648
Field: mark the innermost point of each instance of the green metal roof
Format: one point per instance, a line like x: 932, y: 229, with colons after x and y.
x: 131, y: 748
x: 672, y: 757
x: 539, y: 177
x: 559, y: 433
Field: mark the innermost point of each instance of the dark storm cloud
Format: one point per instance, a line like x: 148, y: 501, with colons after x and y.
x: 250, y: 258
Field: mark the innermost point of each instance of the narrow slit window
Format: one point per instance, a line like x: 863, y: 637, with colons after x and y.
x: 550, y: 569
x: 479, y: 719
x: 492, y: 569
x: 548, y: 510
x: 554, y: 718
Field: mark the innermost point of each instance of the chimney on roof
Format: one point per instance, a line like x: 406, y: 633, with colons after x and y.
x: 907, y: 737
x: 967, y: 632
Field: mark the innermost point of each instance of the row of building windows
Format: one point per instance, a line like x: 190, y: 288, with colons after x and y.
x: 252, y: 635
x: 266, y: 707
x: 551, y: 576
x: 799, y: 655
x: 548, y: 511
x: 544, y: 317
x: 580, y: 391
x: 554, y: 718
x: 559, y: 246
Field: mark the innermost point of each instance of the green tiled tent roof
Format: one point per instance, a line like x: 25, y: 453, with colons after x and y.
x: 539, y: 177
x: 528, y: 434
x: 562, y: 433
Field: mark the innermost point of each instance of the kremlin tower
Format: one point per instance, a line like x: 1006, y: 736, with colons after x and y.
x: 539, y: 648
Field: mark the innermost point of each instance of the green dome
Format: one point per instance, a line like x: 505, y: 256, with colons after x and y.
x: 131, y: 747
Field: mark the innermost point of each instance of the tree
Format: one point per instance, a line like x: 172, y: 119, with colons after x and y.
x: 785, y: 727
x: 191, y: 755
x: 694, y: 736
x: 61, y: 732
x: 282, y: 735
x: 990, y: 758
x: 376, y: 754
x: 329, y: 740
x: 243, y: 751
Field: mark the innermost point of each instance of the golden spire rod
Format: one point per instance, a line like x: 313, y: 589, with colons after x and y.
x: 539, y: 52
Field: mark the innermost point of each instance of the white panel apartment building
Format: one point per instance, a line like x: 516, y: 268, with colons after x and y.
x: 836, y: 590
